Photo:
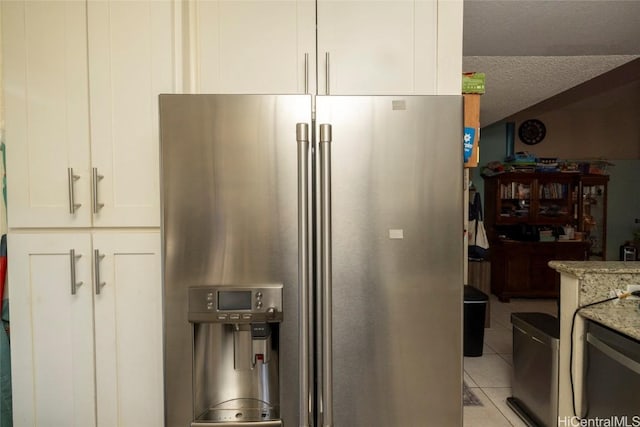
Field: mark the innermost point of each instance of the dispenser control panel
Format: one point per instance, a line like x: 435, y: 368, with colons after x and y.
x: 236, y: 304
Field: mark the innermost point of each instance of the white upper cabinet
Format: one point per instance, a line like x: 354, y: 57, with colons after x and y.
x: 130, y: 63
x: 245, y: 46
x: 81, y: 86
x: 377, y: 47
x: 46, y: 112
x: 354, y: 47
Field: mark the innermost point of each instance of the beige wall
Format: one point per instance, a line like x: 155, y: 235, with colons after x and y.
x: 582, y: 133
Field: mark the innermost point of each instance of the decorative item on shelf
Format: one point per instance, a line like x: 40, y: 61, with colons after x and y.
x: 547, y: 236
x: 473, y: 83
x: 510, y: 138
x: 547, y: 164
x: 599, y: 167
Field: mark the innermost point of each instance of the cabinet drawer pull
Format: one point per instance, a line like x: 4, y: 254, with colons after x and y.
x: 74, y: 284
x: 73, y: 206
x: 96, y: 270
x: 95, y: 178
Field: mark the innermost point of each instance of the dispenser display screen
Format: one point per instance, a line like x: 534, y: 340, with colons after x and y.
x: 234, y: 300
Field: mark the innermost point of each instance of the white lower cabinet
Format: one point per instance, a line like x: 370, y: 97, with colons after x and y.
x: 86, y: 331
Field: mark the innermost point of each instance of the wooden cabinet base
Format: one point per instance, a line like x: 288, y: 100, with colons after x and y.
x: 521, y: 270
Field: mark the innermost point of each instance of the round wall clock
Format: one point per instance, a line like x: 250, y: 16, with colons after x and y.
x: 532, y: 131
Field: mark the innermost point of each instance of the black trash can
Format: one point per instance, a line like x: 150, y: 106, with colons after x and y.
x: 475, y: 306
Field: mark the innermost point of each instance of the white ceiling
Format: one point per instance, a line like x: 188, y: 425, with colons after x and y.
x: 532, y: 50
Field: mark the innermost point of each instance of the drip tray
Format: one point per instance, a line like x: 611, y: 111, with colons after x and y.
x: 240, y: 413
x: 272, y: 423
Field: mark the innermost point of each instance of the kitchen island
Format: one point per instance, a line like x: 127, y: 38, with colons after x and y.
x: 583, y: 283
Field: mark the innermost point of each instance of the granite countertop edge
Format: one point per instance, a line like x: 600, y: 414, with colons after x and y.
x: 581, y: 268
x: 621, y: 316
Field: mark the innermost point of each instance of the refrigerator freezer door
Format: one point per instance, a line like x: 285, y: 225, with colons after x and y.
x: 397, y: 260
x: 229, y: 190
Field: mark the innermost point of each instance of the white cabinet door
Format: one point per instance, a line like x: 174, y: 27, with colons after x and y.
x: 46, y: 112
x: 94, y: 112
x: 130, y: 64
x: 378, y: 47
x: 59, y: 377
x: 249, y: 46
x: 128, y: 322
x: 51, y: 330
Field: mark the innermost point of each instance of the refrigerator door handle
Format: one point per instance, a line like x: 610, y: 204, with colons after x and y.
x: 304, y: 337
x: 326, y: 274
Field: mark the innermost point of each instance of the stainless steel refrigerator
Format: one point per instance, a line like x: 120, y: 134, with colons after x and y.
x: 313, y: 260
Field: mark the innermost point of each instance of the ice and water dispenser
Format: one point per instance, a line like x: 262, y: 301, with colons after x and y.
x: 235, y: 355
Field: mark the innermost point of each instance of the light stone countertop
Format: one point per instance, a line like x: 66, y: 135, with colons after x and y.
x: 597, y: 280
x: 580, y: 268
x: 622, y: 316
x: 582, y: 283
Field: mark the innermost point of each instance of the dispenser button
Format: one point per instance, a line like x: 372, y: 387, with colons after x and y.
x: 258, y: 295
x: 222, y: 317
x: 234, y: 316
x: 246, y: 316
x: 209, y: 306
x: 259, y: 304
x: 271, y: 312
x: 209, y: 296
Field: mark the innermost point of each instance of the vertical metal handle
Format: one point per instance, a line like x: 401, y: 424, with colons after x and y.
x: 94, y: 180
x: 306, y: 75
x: 304, y: 334
x: 326, y: 272
x: 74, y: 284
x: 71, y: 179
x: 327, y: 69
x: 96, y: 270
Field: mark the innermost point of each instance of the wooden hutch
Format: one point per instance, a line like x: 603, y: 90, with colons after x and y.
x: 530, y: 217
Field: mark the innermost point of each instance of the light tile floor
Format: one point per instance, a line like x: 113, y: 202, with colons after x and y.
x: 489, y: 376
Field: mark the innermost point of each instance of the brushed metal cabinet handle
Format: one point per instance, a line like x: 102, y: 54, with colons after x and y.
x: 96, y: 270
x: 73, y: 257
x: 304, y: 337
x: 95, y: 178
x: 71, y: 179
x: 306, y: 75
x: 326, y: 273
x: 327, y: 71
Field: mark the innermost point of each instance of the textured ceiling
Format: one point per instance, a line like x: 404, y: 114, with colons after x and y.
x: 532, y: 50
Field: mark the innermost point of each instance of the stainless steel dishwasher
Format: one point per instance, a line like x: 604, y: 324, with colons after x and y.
x: 612, y: 374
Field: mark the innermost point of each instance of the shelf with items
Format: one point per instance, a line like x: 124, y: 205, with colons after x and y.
x: 593, y: 214
x: 514, y: 202
x: 533, y: 218
x: 530, y: 198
